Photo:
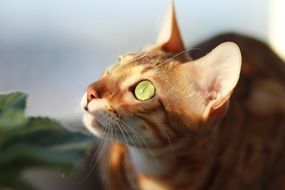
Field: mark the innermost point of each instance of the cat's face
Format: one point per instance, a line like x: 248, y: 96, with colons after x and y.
x: 152, y: 97
x: 130, y: 100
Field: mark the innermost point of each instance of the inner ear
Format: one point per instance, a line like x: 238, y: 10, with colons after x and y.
x: 215, y: 75
x: 169, y: 39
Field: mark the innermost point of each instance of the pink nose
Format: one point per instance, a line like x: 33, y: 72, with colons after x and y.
x: 91, y: 93
x: 96, y: 90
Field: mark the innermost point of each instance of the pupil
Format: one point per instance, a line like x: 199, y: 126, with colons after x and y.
x: 142, y: 90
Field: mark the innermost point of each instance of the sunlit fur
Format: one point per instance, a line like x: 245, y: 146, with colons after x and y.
x: 187, y: 136
x: 119, y: 111
x: 164, y: 146
x: 160, y: 124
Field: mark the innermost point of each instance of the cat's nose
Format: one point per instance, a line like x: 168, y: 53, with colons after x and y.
x: 91, y: 93
x: 95, y: 90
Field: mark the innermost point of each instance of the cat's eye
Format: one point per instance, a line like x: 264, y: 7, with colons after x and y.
x: 144, y: 90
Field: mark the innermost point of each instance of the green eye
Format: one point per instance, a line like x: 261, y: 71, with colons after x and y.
x: 144, y: 90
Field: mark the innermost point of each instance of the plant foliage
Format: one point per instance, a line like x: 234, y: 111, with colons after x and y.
x: 32, y: 142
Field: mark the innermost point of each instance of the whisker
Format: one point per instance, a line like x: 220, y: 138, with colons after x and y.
x: 131, y: 139
x: 142, y: 140
x: 178, y: 54
x: 93, y: 161
x: 105, y: 177
x: 92, y: 166
x: 122, y: 133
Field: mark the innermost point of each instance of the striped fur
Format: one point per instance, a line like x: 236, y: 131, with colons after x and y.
x: 245, y: 151
x: 168, y: 142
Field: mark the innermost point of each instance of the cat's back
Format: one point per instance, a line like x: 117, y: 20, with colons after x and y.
x: 252, y: 137
x: 259, y: 61
x: 261, y: 88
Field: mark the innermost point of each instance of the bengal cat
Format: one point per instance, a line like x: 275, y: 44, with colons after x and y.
x: 174, y: 122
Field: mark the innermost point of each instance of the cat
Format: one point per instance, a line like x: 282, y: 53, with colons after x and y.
x: 211, y: 119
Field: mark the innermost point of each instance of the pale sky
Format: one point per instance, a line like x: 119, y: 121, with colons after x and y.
x: 53, y: 49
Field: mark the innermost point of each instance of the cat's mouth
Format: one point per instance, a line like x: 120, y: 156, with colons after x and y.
x: 108, y: 130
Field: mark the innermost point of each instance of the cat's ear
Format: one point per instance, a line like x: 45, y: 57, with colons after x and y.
x: 215, y: 75
x: 169, y: 38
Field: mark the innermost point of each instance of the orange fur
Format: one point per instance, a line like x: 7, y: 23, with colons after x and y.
x: 189, y: 135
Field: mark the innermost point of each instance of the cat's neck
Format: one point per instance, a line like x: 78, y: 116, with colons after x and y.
x: 147, y: 161
x: 159, y: 162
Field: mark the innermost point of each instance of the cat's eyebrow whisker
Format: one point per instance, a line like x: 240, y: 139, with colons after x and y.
x: 178, y: 54
x: 188, y: 50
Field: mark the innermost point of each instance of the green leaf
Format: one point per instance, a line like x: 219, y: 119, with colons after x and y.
x: 65, y: 172
x: 22, y: 156
x: 12, y: 118
x: 34, y: 142
x: 43, y: 146
x: 12, y: 110
x: 13, y: 100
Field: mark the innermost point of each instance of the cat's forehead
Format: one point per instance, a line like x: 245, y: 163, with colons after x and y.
x: 151, y: 58
x: 142, y: 61
x: 133, y: 67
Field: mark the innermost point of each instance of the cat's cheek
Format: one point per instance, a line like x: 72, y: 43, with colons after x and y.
x: 129, y: 99
x: 89, y: 122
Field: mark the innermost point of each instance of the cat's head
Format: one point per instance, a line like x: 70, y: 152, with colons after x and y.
x: 160, y: 94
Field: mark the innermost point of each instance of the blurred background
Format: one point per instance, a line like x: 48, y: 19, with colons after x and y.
x: 53, y: 49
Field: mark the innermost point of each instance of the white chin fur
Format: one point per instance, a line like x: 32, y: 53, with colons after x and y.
x: 89, y: 117
x: 89, y: 122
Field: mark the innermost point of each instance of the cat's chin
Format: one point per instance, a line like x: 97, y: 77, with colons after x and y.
x: 93, y: 126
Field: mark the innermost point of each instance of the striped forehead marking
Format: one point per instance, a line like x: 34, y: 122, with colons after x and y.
x: 133, y: 76
x: 134, y: 67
